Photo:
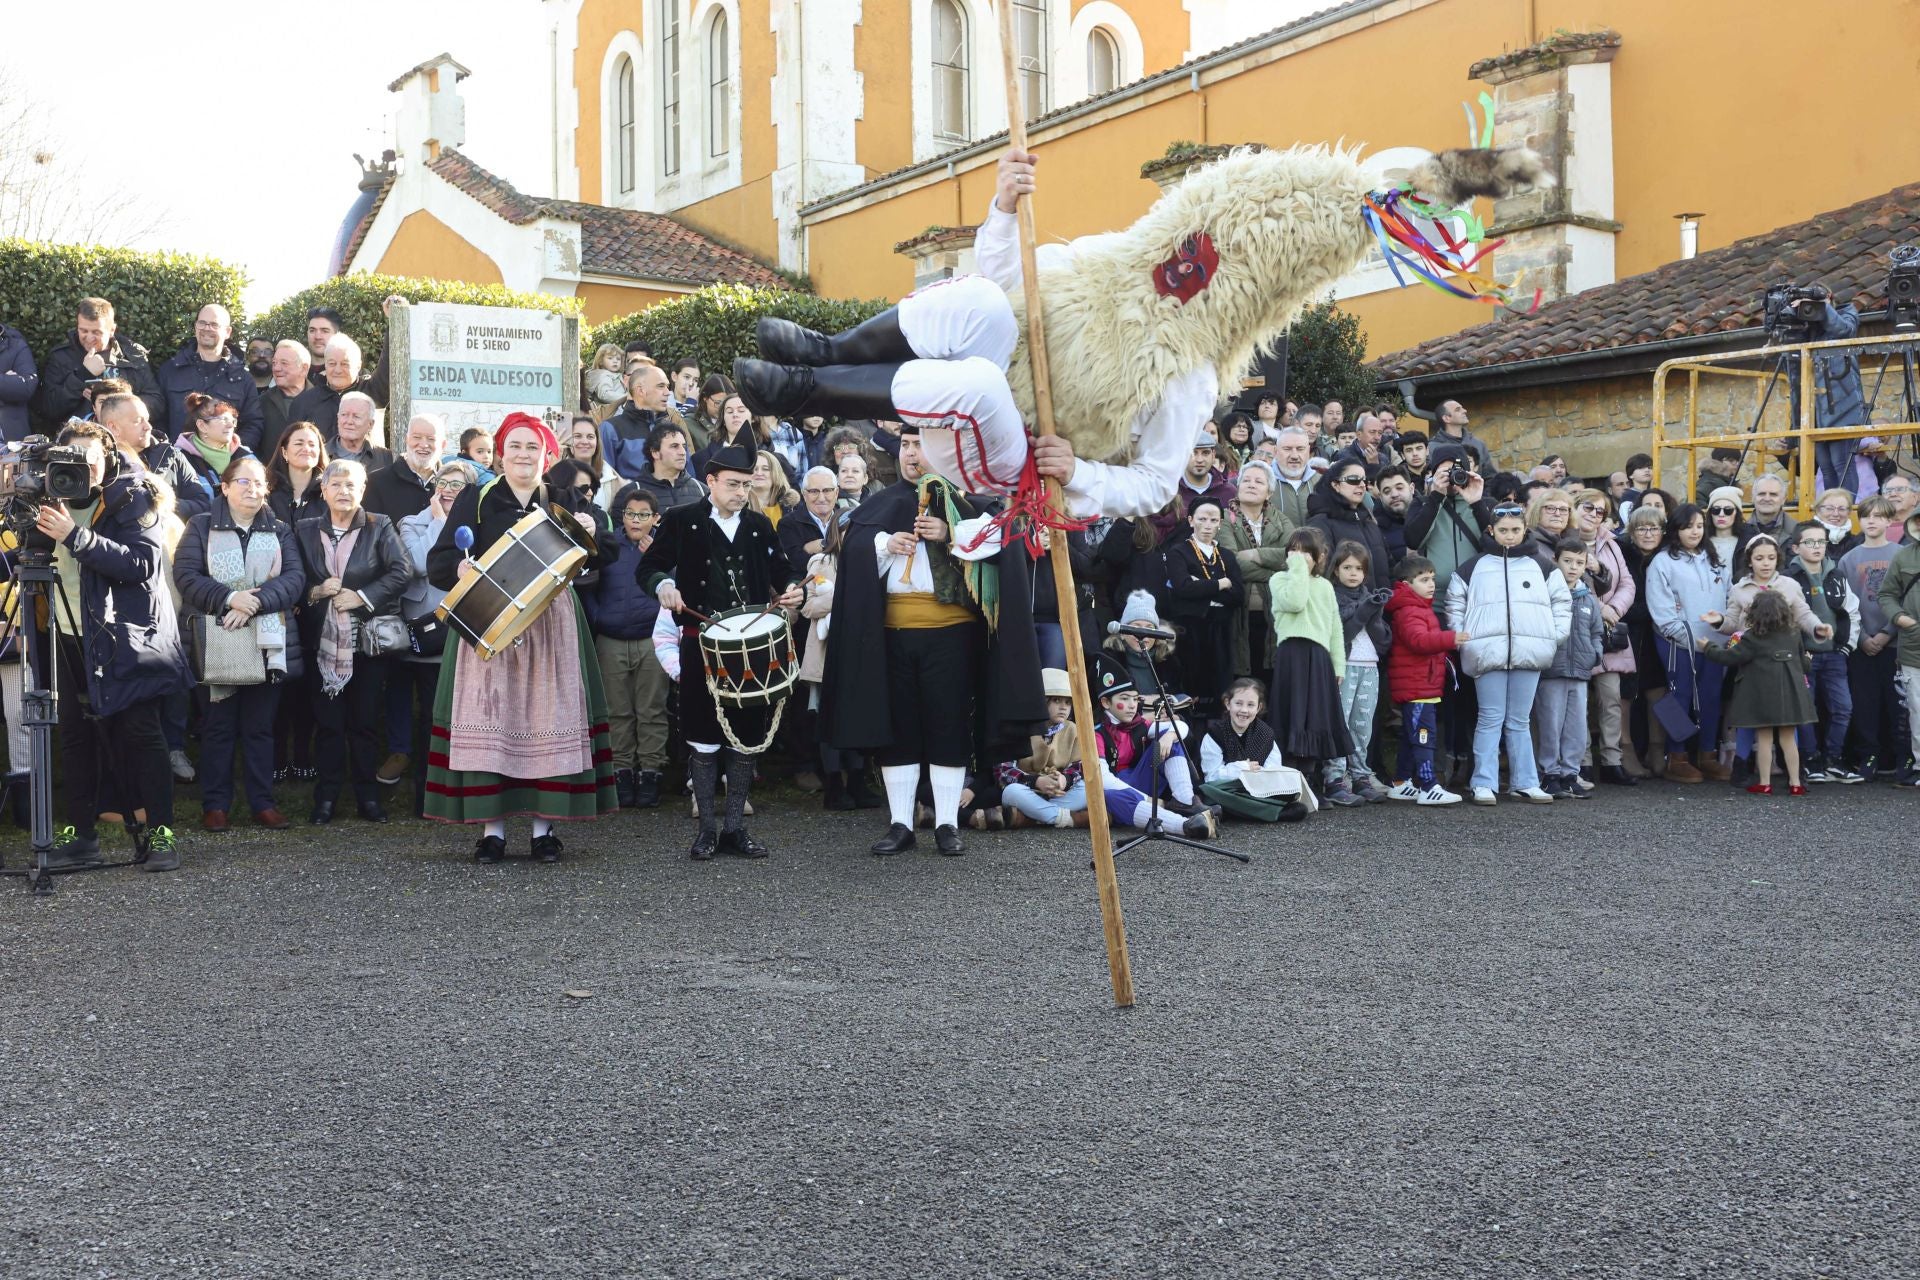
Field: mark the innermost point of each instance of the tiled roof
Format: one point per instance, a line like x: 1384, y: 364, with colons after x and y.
x: 1715, y: 292
x: 615, y: 242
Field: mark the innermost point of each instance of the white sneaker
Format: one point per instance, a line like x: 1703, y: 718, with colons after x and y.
x: 1533, y: 795
x: 1484, y: 795
x: 1437, y: 794
x: 1407, y: 791
x: 182, y: 767
x: 1584, y: 785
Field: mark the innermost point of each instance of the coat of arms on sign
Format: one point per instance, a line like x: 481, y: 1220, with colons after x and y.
x: 444, y: 335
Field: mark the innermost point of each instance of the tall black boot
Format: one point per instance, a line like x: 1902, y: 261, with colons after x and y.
x: 703, y: 770
x: 875, y: 341
x: 836, y: 391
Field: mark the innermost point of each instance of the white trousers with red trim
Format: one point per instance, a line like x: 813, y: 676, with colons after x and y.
x: 963, y: 330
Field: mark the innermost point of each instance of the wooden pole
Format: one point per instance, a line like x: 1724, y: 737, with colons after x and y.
x: 1063, y: 591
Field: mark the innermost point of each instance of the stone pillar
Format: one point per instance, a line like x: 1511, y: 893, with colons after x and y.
x: 939, y: 253
x: 1557, y: 97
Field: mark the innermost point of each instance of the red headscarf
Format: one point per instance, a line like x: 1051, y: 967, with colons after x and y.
x: 548, y: 440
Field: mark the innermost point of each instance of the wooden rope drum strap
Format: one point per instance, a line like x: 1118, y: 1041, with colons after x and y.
x: 726, y: 729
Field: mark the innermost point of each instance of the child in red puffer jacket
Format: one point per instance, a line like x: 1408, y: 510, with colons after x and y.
x: 1416, y: 677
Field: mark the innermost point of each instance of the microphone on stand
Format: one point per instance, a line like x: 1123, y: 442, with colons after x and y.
x: 1142, y: 633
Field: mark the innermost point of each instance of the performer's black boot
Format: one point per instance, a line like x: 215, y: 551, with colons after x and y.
x: 861, y: 792
x: 703, y: 770
x: 734, y: 840
x: 836, y: 797
x: 875, y: 341
x: 835, y: 391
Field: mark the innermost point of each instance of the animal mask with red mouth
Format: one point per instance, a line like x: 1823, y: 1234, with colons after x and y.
x: 1189, y: 270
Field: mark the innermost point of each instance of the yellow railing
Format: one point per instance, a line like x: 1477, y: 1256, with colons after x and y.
x: 1753, y: 429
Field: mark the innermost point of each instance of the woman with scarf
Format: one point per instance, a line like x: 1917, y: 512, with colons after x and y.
x: 355, y: 570
x: 238, y: 565
x: 211, y: 442
x: 526, y: 732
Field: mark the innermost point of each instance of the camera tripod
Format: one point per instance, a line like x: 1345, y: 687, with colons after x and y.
x: 35, y: 581
x: 1156, y: 828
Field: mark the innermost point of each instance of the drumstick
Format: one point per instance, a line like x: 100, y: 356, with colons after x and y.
x: 696, y: 614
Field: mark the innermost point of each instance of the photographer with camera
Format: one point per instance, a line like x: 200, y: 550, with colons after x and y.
x: 1807, y: 314
x: 93, y: 351
x: 1446, y: 527
x: 118, y: 649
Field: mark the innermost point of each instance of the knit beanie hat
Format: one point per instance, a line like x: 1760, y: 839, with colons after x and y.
x: 1727, y: 493
x: 1139, y: 611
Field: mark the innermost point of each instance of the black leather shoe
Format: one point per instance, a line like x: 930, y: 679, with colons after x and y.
x: 490, y: 849
x: 899, y: 839
x: 546, y: 848
x: 947, y: 840
x: 1204, y: 825
x: 738, y: 844
x: 1616, y: 776
x: 834, y: 391
x: 874, y: 341
x: 371, y: 811
x: 703, y: 846
x: 322, y: 813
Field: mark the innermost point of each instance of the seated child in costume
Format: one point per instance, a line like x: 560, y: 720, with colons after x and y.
x: 1149, y: 664
x: 1131, y: 749
x: 1238, y: 741
x: 1046, y: 787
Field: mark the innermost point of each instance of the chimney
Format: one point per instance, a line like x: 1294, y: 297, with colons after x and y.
x: 430, y: 117
x: 1689, y: 233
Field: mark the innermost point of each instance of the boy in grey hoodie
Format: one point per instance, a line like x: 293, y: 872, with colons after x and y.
x: 1560, y: 708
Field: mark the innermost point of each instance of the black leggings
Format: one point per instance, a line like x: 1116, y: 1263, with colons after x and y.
x: 117, y: 761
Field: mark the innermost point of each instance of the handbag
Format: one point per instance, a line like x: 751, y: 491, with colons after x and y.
x: 384, y: 634
x: 427, y: 635
x: 1615, y: 638
x: 223, y: 657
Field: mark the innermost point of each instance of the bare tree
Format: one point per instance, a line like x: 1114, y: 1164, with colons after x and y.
x: 50, y: 189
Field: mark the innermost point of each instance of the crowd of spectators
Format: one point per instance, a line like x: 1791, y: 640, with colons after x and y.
x: 1368, y: 598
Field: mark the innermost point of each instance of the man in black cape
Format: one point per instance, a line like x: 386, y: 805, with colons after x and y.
x: 960, y: 680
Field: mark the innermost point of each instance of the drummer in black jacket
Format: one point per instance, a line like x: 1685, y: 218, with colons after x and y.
x: 711, y: 556
x: 524, y: 732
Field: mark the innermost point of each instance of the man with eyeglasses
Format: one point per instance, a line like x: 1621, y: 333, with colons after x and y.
x: 804, y: 533
x: 1904, y: 494
x: 623, y: 614
x: 402, y: 488
x: 206, y: 365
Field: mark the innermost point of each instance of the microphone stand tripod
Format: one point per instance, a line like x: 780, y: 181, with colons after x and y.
x: 1156, y: 828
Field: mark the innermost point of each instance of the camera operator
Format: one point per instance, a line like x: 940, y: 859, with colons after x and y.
x: 1838, y: 398
x: 94, y: 350
x: 116, y: 674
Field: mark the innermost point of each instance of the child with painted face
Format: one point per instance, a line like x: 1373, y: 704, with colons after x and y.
x: 1238, y: 741
x: 1518, y: 612
x: 1366, y: 637
x: 1560, y: 707
x: 1131, y: 748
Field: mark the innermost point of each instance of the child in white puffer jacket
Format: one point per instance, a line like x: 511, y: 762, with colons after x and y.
x: 1518, y: 611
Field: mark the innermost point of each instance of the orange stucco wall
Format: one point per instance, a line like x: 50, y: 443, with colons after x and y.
x: 426, y: 246
x: 600, y: 22
x: 883, y: 136
x: 1163, y: 28
x: 742, y: 217
x: 603, y: 302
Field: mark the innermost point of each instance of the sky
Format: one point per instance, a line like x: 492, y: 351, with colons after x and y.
x: 240, y: 120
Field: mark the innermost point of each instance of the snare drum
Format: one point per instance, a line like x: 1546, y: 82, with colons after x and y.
x: 749, y: 657
x: 522, y: 573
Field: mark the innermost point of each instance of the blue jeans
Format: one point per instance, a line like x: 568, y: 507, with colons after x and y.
x: 1506, y: 712
x: 1038, y: 807
x: 1560, y: 714
x: 1053, y: 649
x: 1697, y: 682
x: 245, y: 718
x: 1419, y: 723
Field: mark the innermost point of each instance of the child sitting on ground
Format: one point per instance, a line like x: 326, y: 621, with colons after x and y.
x: 1047, y: 787
x: 1366, y: 636
x: 1131, y: 749
x: 1560, y: 706
x: 1416, y: 679
x: 1239, y: 741
x: 1770, y: 692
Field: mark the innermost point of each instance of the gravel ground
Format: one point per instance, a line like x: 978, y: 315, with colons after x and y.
x: 1670, y: 1033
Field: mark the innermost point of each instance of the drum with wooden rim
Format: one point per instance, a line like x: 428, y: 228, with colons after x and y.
x: 520, y: 575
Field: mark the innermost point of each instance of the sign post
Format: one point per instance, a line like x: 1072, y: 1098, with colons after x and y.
x: 475, y: 365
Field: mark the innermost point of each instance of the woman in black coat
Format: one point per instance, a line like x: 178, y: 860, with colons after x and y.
x: 239, y: 567
x: 1204, y: 580
x: 356, y: 569
x: 1338, y: 509
x: 293, y: 476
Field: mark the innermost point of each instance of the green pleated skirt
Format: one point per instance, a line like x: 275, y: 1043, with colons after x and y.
x: 463, y: 796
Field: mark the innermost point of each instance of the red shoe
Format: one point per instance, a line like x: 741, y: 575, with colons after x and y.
x: 1796, y: 790
x: 1760, y: 789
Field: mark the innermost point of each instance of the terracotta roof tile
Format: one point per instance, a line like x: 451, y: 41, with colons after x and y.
x: 1714, y: 292
x: 616, y: 242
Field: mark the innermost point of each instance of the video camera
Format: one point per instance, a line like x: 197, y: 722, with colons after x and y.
x: 37, y: 471
x: 1792, y: 310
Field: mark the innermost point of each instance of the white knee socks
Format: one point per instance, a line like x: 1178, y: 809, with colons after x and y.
x: 1179, y: 779
x: 542, y: 827
x: 497, y: 828
x: 948, y: 782
x: 900, y: 781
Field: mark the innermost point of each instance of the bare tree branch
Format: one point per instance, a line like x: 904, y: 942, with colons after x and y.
x: 51, y: 189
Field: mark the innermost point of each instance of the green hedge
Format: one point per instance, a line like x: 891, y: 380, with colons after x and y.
x: 357, y: 298
x: 716, y: 324
x: 155, y: 296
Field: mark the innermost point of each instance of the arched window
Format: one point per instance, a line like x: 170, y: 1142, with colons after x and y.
x: 952, y: 87
x: 623, y: 140
x: 719, y: 89
x: 669, y: 87
x: 1030, y: 43
x: 1103, y: 61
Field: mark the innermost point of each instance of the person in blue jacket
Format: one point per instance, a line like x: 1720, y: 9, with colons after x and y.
x: 110, y: 554
x: 206, y: 366
x: 19, y: 379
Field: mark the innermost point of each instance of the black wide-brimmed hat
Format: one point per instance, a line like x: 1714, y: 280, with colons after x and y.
x: 1110, y: 676
x: 735, y: 457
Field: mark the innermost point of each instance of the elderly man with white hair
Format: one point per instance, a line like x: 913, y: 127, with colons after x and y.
x: 280, y: 404
x: 207, y: 366
x: 804, y: 532
x: 405, y: 488
x: 353, y: 433
x: 1770, y: 511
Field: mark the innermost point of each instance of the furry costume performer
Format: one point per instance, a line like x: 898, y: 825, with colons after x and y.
x: 1139, y: 323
